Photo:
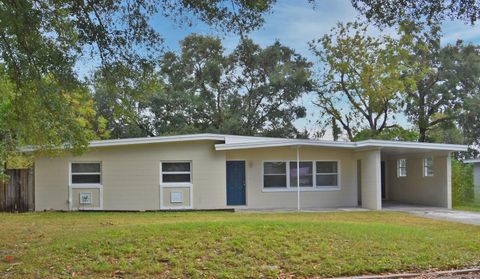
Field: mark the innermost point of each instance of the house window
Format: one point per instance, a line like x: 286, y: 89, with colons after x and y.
x: 86, y: 198
x: 306, y: 174
x: 176, y: 172
x: 274, y: 174
x: 327, y: 174
x: 402, y: 168
x: 86, y: 173
x: 428, y: 166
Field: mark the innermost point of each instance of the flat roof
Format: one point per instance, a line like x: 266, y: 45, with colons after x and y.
x: 235, y: 142
x: 275, y: 142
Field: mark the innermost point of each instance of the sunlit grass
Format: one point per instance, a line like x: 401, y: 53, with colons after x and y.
x: 222, y: 244
x: 468, y: 207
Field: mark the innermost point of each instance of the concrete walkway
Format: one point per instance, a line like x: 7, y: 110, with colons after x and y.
x: 438, y: 213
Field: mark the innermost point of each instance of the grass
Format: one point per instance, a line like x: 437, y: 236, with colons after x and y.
x: 471, y: 206
x: 225, y: 245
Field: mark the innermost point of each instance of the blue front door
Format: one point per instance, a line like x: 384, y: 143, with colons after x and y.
x: 235, y: 182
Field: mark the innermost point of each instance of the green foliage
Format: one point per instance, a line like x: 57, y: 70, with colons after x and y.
x: 367, y: 80
x: 438, y: 79
x: 394, y: 133
x: 361, y: 80
x: 250, y: 91
x: 121, y: 96
x: 390, y: 12
x: 43, y: 102
x: 462, y: 183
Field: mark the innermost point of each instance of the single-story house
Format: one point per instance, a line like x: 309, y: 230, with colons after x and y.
x: 476, y: 177
x: 212, y: 171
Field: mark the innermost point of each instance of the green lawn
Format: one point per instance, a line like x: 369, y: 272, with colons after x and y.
x: 222, y: 244
x: 468, y: 207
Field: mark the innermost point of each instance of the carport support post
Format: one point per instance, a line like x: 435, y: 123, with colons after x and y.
x: 298, y: 177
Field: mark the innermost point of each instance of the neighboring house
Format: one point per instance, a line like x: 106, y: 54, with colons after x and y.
x: 210, y: 171
x: 476, y: 177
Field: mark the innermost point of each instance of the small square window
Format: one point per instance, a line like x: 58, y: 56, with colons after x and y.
x: 402, y: 168
x: 428, y: 166
x: 275, y: 175
x: 85, y: 173
x: 86, y: 198
x: 327, y: 174
x: 176, y: 172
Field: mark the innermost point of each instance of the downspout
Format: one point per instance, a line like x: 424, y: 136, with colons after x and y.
x: 298, y: 178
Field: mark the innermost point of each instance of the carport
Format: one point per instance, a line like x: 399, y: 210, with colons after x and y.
x: 413, y: 174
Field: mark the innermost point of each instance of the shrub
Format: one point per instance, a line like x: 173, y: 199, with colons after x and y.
x: 462, y: 183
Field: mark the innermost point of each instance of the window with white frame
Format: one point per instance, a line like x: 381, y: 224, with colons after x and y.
x: 306, y: 174
x: 402, y: 168
x: 86, y: 173
x: 428, y: 166
x: 282, y: 175
x: 327, y: 174
x: 176, y: 172
x: 275, y: 175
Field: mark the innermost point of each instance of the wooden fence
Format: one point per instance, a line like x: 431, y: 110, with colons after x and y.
x: 18, y: 194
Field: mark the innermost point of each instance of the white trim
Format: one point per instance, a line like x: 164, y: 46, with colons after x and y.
x: 313, y: 188
x: 468, y: 161
x: 338, y: 173
x: 424, y: 164
x: 188, y: 185
x: 302, y: 189
x: 398, y: 168
x: 72, y: 186
x: 231, y: 142
x: 176, y: 172
x: 86, y: 186
x: 408, y: 144
x: 276, y: 142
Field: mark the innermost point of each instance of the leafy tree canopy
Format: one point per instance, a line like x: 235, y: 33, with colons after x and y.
x: 390, y: 12
x: 360, y: 81
x: 43, y: 101
x: 250, y: 91
x: 438, y: 80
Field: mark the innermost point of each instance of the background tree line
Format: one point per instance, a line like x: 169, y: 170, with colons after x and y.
x: 251, y: 91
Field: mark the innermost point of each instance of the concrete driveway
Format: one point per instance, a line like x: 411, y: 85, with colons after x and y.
x: 438, y: 213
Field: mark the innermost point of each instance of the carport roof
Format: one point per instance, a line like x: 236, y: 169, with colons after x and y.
x: 250, y: 142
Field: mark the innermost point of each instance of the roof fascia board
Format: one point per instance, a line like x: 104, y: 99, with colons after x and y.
x: 417, y: 145
x: 145, y: 140
x: 284, y: 143
x: 359, y: 146
x: 181, y: 138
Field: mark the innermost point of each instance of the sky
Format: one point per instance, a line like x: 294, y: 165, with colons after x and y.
x: 294, y: 23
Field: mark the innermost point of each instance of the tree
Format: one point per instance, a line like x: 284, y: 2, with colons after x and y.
x: 195, y: 92
x: 360, y: 82
x: 269, y: 84
x: 251, y: 91
x: 41, y: 42
x: 438, y: 79
x: 470, y: 118
x: 124, y: 98
x: 390, y: 12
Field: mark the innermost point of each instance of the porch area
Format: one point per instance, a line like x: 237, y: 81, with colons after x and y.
x: 401, y: 179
